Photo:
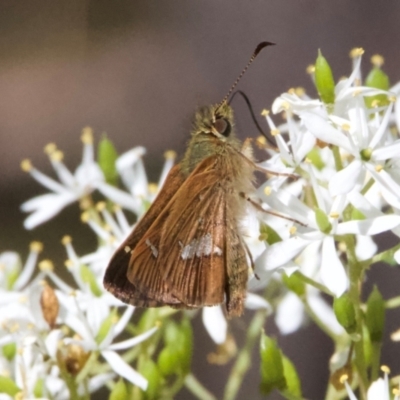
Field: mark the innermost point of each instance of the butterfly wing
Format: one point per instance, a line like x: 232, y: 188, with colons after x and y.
x: 115, y: 277
x: 184, y: 254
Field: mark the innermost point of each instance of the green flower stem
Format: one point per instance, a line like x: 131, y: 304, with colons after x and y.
x: 243, y: 361
x: 87, y: 368
x: 194, y: 386
x: 355, y: 274
x: 318, y: 321
x: 337, y: 158
x: 367, y: 186
x: 311, y: 282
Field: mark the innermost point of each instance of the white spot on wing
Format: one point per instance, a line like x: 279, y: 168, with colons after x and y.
x: 153, y: 248
x: 199, y: 248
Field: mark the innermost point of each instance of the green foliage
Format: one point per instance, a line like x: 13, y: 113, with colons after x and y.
x: 119, y: 391
x: 294, y: 283
x: 379, y: 80
x: 269, y: 234
x: 8, y: 386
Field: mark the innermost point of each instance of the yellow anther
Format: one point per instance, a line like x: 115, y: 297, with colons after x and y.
x: 291, y: 91
x: 57, y: 156
x: 87, y: 135
x: 356, y: 52
x: 293, y: 230
x: 308, y: 160
x: 267, y: 190
x: 66, y: 240
x: 356, y: 92
x: 377, y: 60
x: 375, y: 103
x: 50, y: 148
x: 69, y: 263
x: 152, y: 188
x: 392, y: 99
x: 342, y: 247
x: 116, y: 208
x: 378, y: 168
x: 310, y: 69
x: 334, y: 215
x: 275, y: 132
x: 346, y: 127
x: 101, y: 206
x: 265, y: 112
x: 85, y: 203
x: 285, y: 105
x: 261, y: 140
x: 170, y: 155
x: 300, y: 91
x: 344, y: 378
x: 385, y: 369
x: 35, y: 246
x: 26, y: 165
x: 46, y: 265
x: 85, y: 217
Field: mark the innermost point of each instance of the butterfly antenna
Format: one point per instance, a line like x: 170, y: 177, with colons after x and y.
x: 252, y: 58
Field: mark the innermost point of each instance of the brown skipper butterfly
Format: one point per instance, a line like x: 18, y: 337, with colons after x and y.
x: 187, y: 251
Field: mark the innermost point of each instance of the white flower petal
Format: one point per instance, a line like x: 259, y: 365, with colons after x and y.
x: 378, y: 390
x: 215, y: 323
x: 325, y: 313
x: 324, y: 131
x: 133, y: 341
x: 123, y: 369
x: 255, y: 302
x: 332, y: 272
x: 345, y: 180
x: 289, y: 314
x: 371, y: 226
x: 365, y: 247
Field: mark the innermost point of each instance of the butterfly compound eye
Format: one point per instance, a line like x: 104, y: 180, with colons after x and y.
x: 222, y: 126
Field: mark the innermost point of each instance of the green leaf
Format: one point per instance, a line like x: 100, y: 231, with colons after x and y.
x: 119, y: 391
x: 292, y: 378
x: 322, y: 221
x: 345, y: 313
x: 324, y: 80
x: 375, y: 315
x: 8, y: 386
x: 88, y: 276
x: 107, y: 156
x: 269, y: 235
x: 272, y: 375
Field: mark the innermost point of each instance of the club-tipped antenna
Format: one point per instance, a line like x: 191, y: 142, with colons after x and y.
x: 252, y: 58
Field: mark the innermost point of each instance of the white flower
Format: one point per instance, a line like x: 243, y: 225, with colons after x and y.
x: 88, y: 324
x: 379, y: 389
x: 72, y: 187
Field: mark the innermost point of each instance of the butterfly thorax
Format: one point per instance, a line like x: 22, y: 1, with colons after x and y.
x: 213, y: 134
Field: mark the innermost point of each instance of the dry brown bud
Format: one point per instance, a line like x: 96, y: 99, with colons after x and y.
x: 49, y: 304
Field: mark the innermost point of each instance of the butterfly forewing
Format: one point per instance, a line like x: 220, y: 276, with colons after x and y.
x: 190, y: 263
x: 115, y: 277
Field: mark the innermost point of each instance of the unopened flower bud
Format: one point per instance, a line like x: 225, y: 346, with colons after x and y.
x: 345, y: 313
x: 324, y: 79
x: 375, y: 315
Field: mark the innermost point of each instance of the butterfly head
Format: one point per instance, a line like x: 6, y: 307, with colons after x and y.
x: 215, y: 120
